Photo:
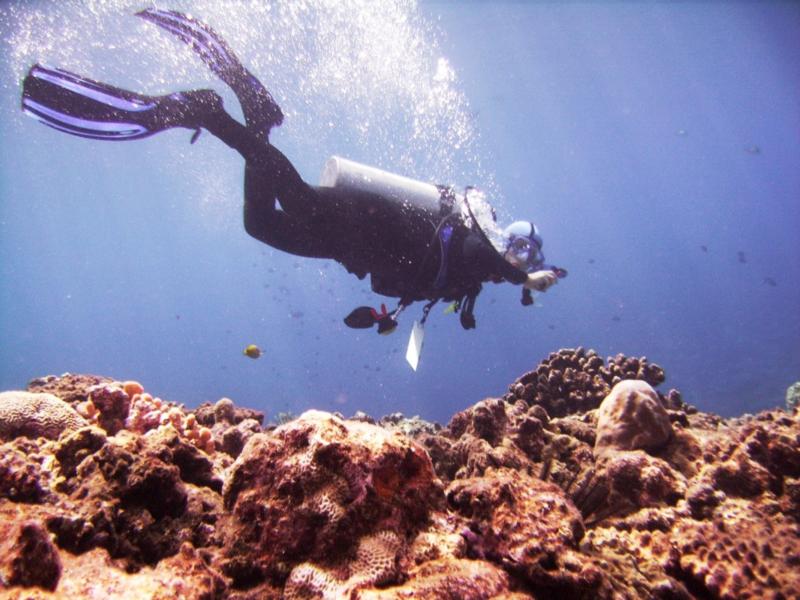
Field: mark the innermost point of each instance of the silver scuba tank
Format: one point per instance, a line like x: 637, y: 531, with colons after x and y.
x: 349, y: 175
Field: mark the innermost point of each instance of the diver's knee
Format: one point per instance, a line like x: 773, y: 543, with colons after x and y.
x: 253, y: 226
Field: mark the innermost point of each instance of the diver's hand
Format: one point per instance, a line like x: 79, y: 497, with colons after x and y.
x: 540, y: 280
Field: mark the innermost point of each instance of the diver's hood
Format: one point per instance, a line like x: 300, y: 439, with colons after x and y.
x: 523, y: 241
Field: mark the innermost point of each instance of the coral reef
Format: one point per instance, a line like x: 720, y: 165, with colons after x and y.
x: 582, y: 482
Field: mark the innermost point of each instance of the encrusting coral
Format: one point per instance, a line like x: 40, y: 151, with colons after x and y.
x: 589, y: 484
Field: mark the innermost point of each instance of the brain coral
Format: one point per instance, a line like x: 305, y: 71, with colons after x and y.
x: 451, y: 578
x: 36, y: 415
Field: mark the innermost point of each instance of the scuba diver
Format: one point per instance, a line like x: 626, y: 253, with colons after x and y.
x: 417, y: 241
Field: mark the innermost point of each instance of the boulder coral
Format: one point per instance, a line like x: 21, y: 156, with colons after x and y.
x: 631, y: 417
x: 611, y: 492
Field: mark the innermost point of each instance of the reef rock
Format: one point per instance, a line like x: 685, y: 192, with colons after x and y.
x: 631, y: 417
x: 28, y: 556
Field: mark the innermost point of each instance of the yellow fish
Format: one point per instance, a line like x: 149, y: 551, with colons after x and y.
x: 252, y: 351
x: 451, y: 308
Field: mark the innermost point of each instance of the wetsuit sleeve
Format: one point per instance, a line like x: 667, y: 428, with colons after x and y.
x: 490, y: 261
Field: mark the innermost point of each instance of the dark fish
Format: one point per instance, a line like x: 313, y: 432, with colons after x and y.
x: 770, y: 281
x: 362, y: 317
x: 742, y: 257
x: 753, y: 149
x: 616, y: 318
x: 704, y: 248
x: 591, y: 261
x: 296, y: 314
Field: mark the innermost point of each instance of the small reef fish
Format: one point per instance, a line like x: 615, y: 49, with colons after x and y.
x: 742, y: 257
x: 770, y: 281
x: 252, y: 351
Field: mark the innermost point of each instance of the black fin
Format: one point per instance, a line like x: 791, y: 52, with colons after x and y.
x: 261, y: 112
x: 87, y: 108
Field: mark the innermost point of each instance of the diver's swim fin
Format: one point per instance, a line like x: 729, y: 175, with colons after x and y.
x: 90, y: 109
x: 261, y: 112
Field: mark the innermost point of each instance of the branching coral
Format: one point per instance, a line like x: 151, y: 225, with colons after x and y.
x: 576, y: 380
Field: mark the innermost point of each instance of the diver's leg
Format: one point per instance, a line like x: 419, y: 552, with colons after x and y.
x: 276, y: 172
x: 87, y: 108
x: 261, y: 112
x: 295, y: 231
x: 299, y: 225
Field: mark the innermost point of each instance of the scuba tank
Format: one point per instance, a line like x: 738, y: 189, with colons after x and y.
x: 409, y: 193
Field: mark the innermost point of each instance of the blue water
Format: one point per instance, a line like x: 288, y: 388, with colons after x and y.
x: 651, y: 143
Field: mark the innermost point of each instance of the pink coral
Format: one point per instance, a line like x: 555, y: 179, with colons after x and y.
x: 148, y: 413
